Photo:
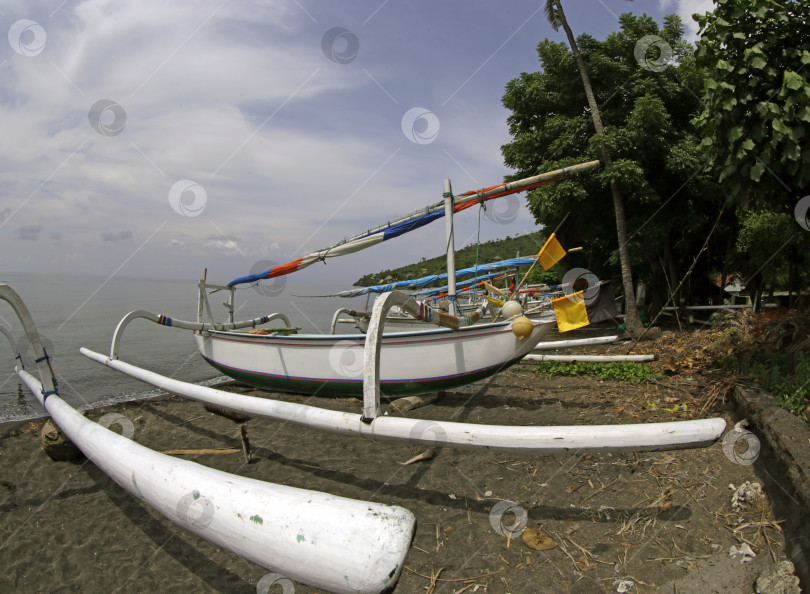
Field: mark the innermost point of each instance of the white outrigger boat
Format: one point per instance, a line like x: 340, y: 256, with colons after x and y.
x: 421, y: 361
x: 391, y: 364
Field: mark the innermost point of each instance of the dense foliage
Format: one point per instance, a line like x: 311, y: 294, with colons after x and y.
x: 756, y: 119
x: 647, y: 101
x: 756, y: 124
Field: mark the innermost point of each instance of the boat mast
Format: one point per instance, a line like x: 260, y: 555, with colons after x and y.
x: 451, y: 249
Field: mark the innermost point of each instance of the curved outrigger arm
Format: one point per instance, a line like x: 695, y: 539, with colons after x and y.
x: 185, y: 325
x: 48, y: 382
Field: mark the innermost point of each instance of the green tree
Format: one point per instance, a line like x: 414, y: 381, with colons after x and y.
x: 647, y: 103
x: 556, y: 16
x: 770, y: 251
x: 756, y: 119
x: 755, y: 124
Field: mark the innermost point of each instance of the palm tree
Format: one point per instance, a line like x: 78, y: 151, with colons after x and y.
x: 556, y: 17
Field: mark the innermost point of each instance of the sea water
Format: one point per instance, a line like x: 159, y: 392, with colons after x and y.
x: 72, y: 312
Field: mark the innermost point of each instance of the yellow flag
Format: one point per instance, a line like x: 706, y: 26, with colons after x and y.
x: 496, y: 302
x: 551, y: 253
x: 571, y: 312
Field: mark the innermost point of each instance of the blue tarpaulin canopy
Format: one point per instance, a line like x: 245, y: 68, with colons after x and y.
x: 434, y: 278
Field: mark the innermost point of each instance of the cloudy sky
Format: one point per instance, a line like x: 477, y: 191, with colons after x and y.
x: 156, y: 139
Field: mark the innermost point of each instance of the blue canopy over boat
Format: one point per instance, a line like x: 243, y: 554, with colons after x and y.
x: 417, y: 283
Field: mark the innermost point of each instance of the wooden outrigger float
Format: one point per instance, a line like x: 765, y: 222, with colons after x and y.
x: 302, y: 534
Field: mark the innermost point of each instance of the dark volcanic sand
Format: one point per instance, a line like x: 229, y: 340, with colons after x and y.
x: 650, y: 519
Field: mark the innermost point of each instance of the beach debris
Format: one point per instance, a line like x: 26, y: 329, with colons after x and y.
x: 744, y: 551
x: 56, y: 445
x: 746, y: 493
x: 779, y: 578
x: 401, y: 405
x: 245, y: 443
x: 623, y: 586
x: 537, y: 539
x: 426, y: 455
x: 584, y: 565
x: 228, y: 414
x: 200, y: 451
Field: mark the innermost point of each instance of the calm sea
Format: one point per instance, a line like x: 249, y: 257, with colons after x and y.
x: 71, y: 312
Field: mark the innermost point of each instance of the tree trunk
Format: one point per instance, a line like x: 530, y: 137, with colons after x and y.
x: 630, y: 310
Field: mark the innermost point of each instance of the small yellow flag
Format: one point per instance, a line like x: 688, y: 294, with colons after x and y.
x: 551, y: 253
x: 570, y: 312
x: 496, y: 302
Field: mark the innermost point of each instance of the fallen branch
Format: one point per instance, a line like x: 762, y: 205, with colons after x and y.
x: 201, y: 451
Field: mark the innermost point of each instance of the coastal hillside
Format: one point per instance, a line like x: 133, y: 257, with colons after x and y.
x: 490, y: 251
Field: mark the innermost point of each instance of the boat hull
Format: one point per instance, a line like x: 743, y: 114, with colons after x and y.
x: 410, y: 362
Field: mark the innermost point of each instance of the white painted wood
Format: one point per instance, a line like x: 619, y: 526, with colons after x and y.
x: 567, y: 344
x: 451, y: 248
x: 325, y: 541
x: 41, y: 358
x: 546, y: 440
x: 590, y: 358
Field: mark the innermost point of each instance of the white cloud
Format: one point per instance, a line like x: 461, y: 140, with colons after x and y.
x: 294, y: 151
x: 685, y: 9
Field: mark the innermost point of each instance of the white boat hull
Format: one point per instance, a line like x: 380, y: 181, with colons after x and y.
x: 410, y: 362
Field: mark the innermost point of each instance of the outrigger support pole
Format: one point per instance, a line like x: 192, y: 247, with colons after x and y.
x: 451, y: 249
x: 374, y: 333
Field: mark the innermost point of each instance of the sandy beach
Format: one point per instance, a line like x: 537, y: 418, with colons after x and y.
x: 644, y: 522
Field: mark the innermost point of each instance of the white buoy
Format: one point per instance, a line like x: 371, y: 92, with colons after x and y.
x: 511, y: 309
